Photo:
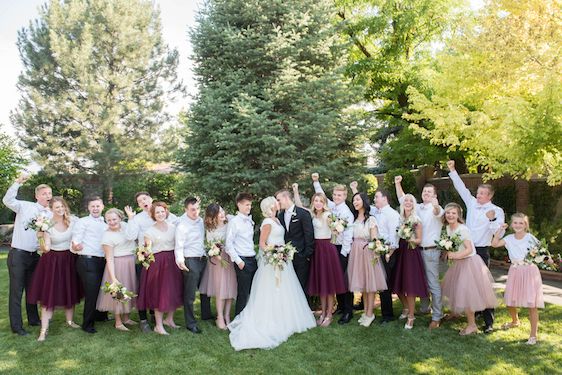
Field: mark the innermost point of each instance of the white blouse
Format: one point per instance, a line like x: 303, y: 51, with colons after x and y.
x: 518, y: 249
x: 119, y: 242
x: 363, y: 230
x: 60, y: 241
x: 321, y: 227
x: 465, y: 235
x: 162, y: 241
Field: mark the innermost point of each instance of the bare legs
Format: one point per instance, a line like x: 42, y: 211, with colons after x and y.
x: 160, y: 321
x: 223, y: 312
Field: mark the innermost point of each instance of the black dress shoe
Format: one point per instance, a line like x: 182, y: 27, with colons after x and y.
x: 386, y: 320
x: 22, y: 332
x: 194, y: 329
x: 359, y: 306
x: 338, y: 311
x: 210, y: 317
x: 346, y: 318
x: 89, y: 330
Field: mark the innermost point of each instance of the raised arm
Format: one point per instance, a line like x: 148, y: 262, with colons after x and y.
x: 497, y: 241
x: 9, y: 199
x: 318, y: 189
x: 398, y: 184
x: 353, y: 187
x: 459, y: 184
x: 131, y: 227
x: 296, y: 195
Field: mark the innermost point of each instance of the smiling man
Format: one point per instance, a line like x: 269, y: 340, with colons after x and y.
x: 23, y: 257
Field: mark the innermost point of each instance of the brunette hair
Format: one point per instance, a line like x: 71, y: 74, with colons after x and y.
x: 158, y: 204
x: 244, y: 197
x: 366, y: 205
x: 212, y: 216
x: 138, y: 194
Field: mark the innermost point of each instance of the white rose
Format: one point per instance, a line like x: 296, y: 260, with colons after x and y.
x: 442, y: 243
x: 540, y: 259
x: 407, y: 231
x: 371, y: 245
x: 340, y: 228
x: 448, y: 244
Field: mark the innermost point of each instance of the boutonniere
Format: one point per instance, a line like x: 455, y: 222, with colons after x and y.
x: 293, y: 214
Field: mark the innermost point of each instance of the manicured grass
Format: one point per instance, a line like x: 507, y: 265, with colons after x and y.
x: 387, y: 349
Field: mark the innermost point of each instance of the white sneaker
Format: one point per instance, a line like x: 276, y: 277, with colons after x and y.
x: 368, y: 320
x: 362, y: 318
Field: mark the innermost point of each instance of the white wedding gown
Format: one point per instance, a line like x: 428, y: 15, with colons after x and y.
x: 275, y: 310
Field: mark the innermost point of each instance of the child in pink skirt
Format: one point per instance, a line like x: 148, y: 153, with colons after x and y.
x: 467, y: 285
x: 524, y: 282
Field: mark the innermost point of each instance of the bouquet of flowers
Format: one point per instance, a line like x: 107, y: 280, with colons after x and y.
x: 144, y: 255
x: 407, y: 231
x: 337, y: 225
x: 40, y: 223
x: 380, y: 247
x: 538, y: 254
x: 278, y: 256
x: 448, y: 243
x: 118, y: 292
x: 213, y: 249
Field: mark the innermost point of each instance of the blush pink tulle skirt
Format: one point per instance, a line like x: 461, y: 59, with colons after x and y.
x: 524, y: 287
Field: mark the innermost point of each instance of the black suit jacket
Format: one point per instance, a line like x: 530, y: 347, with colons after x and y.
x: 301, y: 231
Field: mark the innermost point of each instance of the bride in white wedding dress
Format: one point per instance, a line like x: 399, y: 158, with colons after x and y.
x: 275, y: 310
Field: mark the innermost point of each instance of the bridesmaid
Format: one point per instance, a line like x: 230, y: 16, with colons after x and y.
x: 467, y: 285
x: 162, y: 283
x: 119, y: 247
x: 219, y: 280
x: 409, y: 279
x: 364, y: 276
x: 326, y: 277
x: 55, y: 282
x: 524, y: 282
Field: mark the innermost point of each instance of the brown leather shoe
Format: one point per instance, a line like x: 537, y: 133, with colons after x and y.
x: 434, y: 324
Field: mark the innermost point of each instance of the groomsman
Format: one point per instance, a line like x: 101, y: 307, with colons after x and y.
x: 240, y: 248
x: 190, y: 258
x: 299, y: 232
x: 388, y: 221
x: 483, y: 218
x: 23, y: 257
x: 431, y: 214
x: 343, y: 244
x: 140, y: 223
x: 86, y: 242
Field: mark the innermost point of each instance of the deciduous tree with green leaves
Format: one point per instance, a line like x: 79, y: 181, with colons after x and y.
x: 96, y: 77
x: 273, y: 104
x: 497, y: 89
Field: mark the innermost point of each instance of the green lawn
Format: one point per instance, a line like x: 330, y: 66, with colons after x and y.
x: 353, y: 349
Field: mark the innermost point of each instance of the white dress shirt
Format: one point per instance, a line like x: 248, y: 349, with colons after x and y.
x: 481, y: 228
x: 343, y: 212
x: 431, y: 223
x: 142, y: 221
x: 190, y: 238
x: 288, y: 213
x: 25, y: 211
x: 388, y: 220
x: 240, y: 238
x: 88, y: 231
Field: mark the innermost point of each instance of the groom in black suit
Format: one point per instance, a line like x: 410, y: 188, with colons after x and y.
x: 299, y: 232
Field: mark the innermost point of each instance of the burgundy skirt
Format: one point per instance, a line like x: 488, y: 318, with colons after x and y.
x: 55, y: 282
x: 161, y: 285
x: 408, y: 277
x: 326, y: 276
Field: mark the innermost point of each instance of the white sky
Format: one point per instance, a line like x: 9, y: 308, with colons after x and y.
x: 177, y: 17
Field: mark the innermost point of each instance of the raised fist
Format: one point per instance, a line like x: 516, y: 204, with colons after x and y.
x: 295, y: 186
x: 22, y: 178
x: 315, y: 176
x: 451, y: 165
x: 353, y: 185
x: 397, y: 179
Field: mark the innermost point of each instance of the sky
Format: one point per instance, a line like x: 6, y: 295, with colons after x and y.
x: 177, y: 17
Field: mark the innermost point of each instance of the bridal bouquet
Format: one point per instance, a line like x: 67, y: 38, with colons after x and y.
x: 449, y: 243
x: 40, y: 223
x: 118, y: 292
x: 380, y: 247
x: 407, y: 231
x: 144, y: 256
x: 213, y: 249
x: 278, y: 256
x: 540, y: 256
x: 337, y: 225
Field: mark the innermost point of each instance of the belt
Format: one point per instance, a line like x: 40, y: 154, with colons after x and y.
x: 25, y: 251
x: 429, y: 247
x: 199, y: 258
x: 91, y: 257
x: 248, y: 257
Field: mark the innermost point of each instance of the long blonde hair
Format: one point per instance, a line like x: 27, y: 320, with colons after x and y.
x: 413, y: 215
x: 324, y: 199
x: 66, y: 216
